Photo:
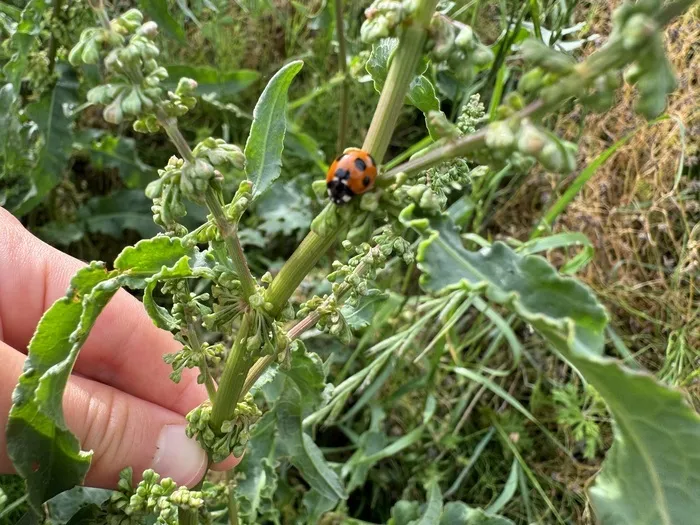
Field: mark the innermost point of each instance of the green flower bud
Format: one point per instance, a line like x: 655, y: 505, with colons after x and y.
x: 559, y: 157
x: 416, y: 192
x: 530, y: 139
x: 91, y: 53
x: 74, y: 57
x: 481, y: 56
x: 443, y: 37
x: 430, y: 201
x: 539, y: 54
x: 465, y: 39
x: 499, y: 136
x: 131, y: 105
x: 531, y: 81
x: 638, y: 31
x: 149, y: 30
x: 113, y: 113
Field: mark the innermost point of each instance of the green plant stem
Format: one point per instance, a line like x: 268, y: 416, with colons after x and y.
x: 233, y: 377
x: 53, y: 43
x: 12, y: 506
x: 402, y: 70
x: 343, y: 67
x: 193, y: 338
x: 320, y: 90
x: 229, y: 233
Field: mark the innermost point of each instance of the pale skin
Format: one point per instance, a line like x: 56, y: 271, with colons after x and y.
x: 120, y: 401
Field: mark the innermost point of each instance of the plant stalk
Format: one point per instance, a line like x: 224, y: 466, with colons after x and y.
x: 402, y: 70
x: 343, y: 67
x: 233, y: 377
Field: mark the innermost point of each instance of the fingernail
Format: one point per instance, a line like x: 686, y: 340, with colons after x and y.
x: 178, y: 456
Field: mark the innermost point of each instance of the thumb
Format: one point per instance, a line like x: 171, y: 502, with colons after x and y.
x: 121, y: 429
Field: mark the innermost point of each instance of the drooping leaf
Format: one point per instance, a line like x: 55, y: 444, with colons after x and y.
x: 149, y: 257
x: 263, y: 150
x: 62, y: 508
x: 651, y: 472
x: 40, y: 445
x: 421, y: 92
x: 57, y: 136
x: 256, y: 475
x: 158, y: 11
x: 213, y: 81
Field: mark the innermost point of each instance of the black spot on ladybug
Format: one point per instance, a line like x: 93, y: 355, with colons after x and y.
x: 366, y: 180
x: 360, y: 164
x: 342, y: 174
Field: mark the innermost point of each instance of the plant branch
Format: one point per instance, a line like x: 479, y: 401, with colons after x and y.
x: 229, y: 233
x: 343, y: 67
x: 53, y: 43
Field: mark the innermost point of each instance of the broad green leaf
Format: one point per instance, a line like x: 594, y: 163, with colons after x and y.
x: 316, y: 505
x: 148, y: 257
x: 263, y: 150
x: 421, y: 92
x: 62, y: 508
x: 458, y: 513
x: 123, y: 210
x: 651, y: 473
x: 158, y: 11
x: 361, y: 314
x: 213, y: 81
x: 40, y: 445
x: 301, y: 450
x: 117, y: 153
x: 57, y: 136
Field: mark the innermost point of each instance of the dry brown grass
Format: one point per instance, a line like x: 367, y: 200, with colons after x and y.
x: 641, y: 217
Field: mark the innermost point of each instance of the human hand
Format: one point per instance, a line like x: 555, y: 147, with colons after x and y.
x: 120, y: 401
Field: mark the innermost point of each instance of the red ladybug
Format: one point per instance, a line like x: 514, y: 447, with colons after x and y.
x: 352, y: 173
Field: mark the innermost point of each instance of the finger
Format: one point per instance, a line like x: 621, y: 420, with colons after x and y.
x: 121, y: 429
x: 124, y: 350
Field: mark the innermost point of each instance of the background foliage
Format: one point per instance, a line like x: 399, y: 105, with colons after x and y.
x: 477, y: 411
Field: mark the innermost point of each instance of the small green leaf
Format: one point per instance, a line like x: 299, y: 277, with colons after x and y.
x: 421, y: 92
x: 40, y: 445
x: 159, y: 315
x: 263, y: 150
x: 148, y: 257
x: 158, y: 11
x: 360, y: 315
x: 212, y: 81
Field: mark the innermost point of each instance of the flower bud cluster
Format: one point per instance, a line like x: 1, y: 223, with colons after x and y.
x: 233, y: 211
x: 233, y: 435
x: 175, y: 105
x: 153, y: 496
x: 456, y: 47
x: 331, y: 319
x: 188, y: 357
x: 384, y: 18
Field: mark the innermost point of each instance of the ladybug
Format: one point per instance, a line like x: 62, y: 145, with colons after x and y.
x: 351, y: 173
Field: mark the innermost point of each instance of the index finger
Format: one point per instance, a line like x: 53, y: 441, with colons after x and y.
x: 124, y: 350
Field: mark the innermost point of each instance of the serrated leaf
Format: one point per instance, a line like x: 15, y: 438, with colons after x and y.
x: 57, y: 136
x: 360, y: 315
x: 160, y: 316
x: 211, y: 80
x: 651, y: 472
x: 421, y: 92
x: 158, y: 11
x: 263, y: 150
x: 39, y: 443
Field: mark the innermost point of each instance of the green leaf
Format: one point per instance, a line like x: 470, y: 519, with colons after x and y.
x: 256, y: 475
x: 160, y: 316
x: 123, y: 210
x: 263, y: 150
x: 652, y: 471
x: 57, y: 136
x: 62, y: 508
x: 149, y: 257
x: 458, y: 513
x: 212, y: 81
x: 158, y: 11
x: 361, y: 314
x: 118, y: 153
x: 40, y: 445
x: 433, y: 508
x: 421, y: 92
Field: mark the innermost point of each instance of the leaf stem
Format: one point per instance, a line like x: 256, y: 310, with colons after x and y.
x: 343, y: 67
x: 169, y: 124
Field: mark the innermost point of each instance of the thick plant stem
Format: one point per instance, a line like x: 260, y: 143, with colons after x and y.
x: 343, y: 67
x: 403, y: 68
x: 297, y: 266
x: 401, y: 72
x: 230, y: 235
x: 233, y: 377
